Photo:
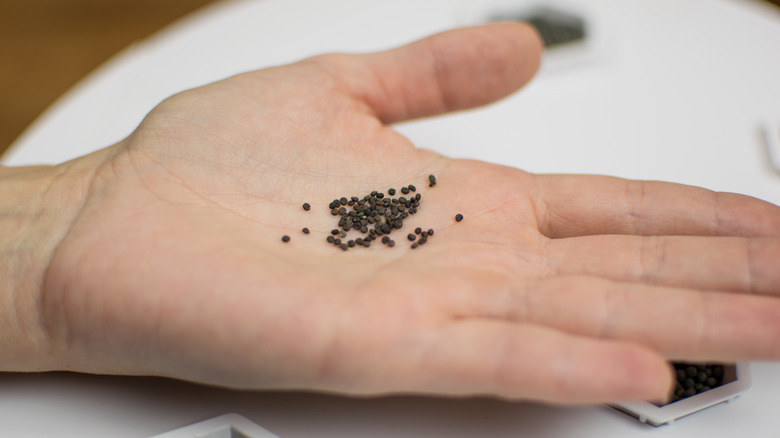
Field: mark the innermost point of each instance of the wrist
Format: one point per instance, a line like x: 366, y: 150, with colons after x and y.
x: 37, y: 206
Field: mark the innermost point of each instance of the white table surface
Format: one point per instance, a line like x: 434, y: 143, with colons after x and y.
x: 674, y: 90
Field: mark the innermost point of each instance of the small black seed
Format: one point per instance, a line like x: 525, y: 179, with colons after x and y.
x: 285, y: 239
x: 351, y: 243
x: 343, y: 201
x: 355, y: 199
x: 423, y: 240
x: 305, y: 231
x: 337, y: 241
x: 385, y: 239
x: 334, y: 212
x: 391, y: 192
x: 343, y: 246
x: 430, y: 232
x: 342, y: 211
x: 431, y: 180
x: 418, y: 230
x: 391, y: 243
x: 405, y: 190
x: 331, y: 239
x: 415, y: 245
x: 459, y: 217
x: 412, y: 188
x: 411, y: 237
x: 306, y: 206
x: 417, y: 197
x: 334, y: 232
x: 342, y: 234
x: 691, y: 371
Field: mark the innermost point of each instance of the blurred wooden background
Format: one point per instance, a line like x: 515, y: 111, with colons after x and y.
x: 46, y: 46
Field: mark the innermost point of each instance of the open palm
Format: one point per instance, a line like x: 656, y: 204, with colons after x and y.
x: 558, y: 288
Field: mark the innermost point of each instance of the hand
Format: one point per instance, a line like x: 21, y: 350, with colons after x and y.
x: 566, y: 289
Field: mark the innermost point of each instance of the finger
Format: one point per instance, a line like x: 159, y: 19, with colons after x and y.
x: 683, y: 324
x: 574, y: 205
x: 449, y: 71
x: 734, y: 264
x: 522, y: 361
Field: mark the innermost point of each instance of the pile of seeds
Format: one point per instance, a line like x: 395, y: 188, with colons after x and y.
x: 695, y: 379
x: 374, y: 217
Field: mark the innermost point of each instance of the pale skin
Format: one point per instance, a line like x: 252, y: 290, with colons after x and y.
x: 162, y: 255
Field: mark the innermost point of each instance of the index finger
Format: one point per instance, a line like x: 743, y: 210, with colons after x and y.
x: 579, y: 205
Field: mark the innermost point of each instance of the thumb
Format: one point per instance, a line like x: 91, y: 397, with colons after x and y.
x: 450, y: 71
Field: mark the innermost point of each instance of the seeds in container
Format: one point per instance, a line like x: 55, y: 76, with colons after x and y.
x: 695, y: 379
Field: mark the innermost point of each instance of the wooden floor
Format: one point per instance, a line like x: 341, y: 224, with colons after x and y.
x: 46, y: 46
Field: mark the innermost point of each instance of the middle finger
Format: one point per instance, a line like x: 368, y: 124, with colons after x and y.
x: 734, y: 264
x: 683, y: 324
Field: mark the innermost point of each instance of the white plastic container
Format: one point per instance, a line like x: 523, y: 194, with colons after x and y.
x: 736, y: 379
x: 224, y: 426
